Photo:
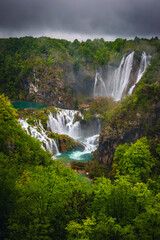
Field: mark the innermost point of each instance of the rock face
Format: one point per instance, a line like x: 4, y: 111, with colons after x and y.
x: 66, y: 143
x: 48, y: 88
x: 84, y: 82
x: 121, y: 131
x: 110, y: 139
x: 58, y: 86
x: 91, y: 127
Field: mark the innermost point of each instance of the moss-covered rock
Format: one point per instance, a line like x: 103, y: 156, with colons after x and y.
x: 65, y: 142
x: 36, y: 115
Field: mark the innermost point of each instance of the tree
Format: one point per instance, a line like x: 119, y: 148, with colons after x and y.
x: 136, y: 160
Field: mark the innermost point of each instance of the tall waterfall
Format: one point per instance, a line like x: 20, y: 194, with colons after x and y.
x: 145, y: 60
x: 117, y: 81
x: 121, y: 77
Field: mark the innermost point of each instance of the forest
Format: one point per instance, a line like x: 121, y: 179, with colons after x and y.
x: 44, y: 199
x: 21, y: 58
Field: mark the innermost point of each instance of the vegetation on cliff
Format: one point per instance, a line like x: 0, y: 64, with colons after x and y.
x: 136, y: 117
x: 55, y: 72
x: 35, y: 115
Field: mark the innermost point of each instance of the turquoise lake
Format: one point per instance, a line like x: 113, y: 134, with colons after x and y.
x: 20, y: 105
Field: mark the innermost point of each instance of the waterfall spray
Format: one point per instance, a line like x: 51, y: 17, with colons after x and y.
x: 99, y: 86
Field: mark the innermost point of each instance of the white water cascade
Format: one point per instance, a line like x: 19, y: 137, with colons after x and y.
x: 64, y: 122
x: 39, y: 132
x: 121, y: 77
x: 145, y: 60
x: 117, y: 81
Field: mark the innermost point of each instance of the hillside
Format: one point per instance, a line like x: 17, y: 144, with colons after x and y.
x: 137, y: 116
x: 43, y: 199
x: 59, y: 72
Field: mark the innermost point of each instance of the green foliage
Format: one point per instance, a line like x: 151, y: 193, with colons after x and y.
x: 96, y: 169
x: 17, y: 151
x: 76, y: 104
x: 102, y: 228
x: 102, y: 107
x: 135, y: 160
x: 7, y: 112
x: 123, y: 200
x: 35, y: 115
x: 122, y: 210
x: 43, y: 199
x: 49, y: 198
x: 20, y: 56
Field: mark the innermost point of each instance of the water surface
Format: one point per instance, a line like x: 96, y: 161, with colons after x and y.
x: 20, y: 105
x: 75, y: 155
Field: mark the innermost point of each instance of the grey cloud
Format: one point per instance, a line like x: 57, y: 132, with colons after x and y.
x: 112, y: 17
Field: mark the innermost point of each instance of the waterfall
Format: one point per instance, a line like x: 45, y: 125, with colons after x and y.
x: 91, y: 143
x: 122, y: 77
x: 99, y: 86
x: 39, y: 133
x: 64, y: 122
x: 117, y: 80
x: 145, y: 60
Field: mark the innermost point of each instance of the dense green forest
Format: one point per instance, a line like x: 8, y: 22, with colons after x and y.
x: 42, y: 198
x: 22, y: 58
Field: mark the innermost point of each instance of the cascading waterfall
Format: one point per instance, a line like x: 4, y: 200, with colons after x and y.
x: 117, y: 80
x: 91, y: 143
x: 39, y: 133
x: 121, y: 77
x: 63, y: 122
x: 145, y: 60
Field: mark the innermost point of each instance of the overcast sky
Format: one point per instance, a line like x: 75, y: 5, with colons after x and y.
x: 80, y: 19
